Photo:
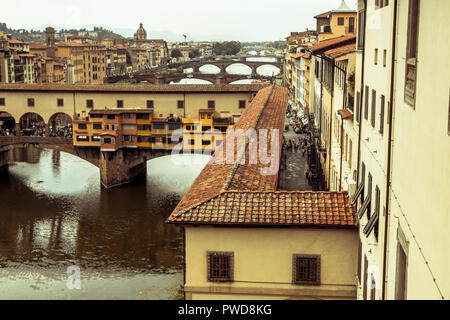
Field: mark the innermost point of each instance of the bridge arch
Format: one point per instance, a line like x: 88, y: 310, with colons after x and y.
x: 268, y: 70
x: 235, y: 65
x: 7, y: 123
x: 32, y: 124
x: 60, y: 124
x: 185, y: 80
x: 209, y: 65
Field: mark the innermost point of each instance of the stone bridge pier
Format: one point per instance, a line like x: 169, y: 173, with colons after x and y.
x: 116, y: 168
x: 4, y: 155
x: 124, y: 165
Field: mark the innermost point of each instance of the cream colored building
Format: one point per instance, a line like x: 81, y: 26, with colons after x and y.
x: 404, y: 150
x: 264, y: 259
x: 165, y: 100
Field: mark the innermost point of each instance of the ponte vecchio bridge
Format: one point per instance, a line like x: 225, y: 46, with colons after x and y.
x: 46, y: 105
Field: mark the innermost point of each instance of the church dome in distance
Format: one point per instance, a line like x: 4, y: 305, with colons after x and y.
x: 140, y: 34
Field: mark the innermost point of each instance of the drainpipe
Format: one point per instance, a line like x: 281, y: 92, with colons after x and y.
x: 389, y: 156
x: 361, y: 99
x: 342, y: 127
x: 342, y: 142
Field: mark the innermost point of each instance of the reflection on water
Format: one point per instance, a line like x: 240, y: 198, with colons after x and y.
x: 53, y: 214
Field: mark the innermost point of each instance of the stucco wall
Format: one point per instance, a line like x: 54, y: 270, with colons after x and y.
x: 263, y: 261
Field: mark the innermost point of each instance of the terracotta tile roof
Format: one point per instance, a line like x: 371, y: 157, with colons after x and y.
x: 298, y: 55
x: 159, y: 120
x: 323, y: 15
x: 331, y: 43
x: 198, y: 88
x: 330, y: 209
x: 216, y: 177
x: 17, y: 41
x: 119, y: 111
x: 345, y: 114
x: 341, y: 50
x: 27, y: 55
x: 238, y: 194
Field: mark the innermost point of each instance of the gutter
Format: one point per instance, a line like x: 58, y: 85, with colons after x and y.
x: 389, y: 155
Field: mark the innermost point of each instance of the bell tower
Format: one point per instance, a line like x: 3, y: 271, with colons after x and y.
x: 50, y: 42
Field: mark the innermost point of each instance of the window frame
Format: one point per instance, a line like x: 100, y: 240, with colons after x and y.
x: 411, y: 61
x: 230, y: 267
x: 2, y: 101
x: 31, y: 102
x: 317, y: 270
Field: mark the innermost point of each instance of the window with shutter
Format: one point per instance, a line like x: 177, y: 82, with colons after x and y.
x: 411, y: 52
x: 382, y: 114
x: 374, y: 107
x: 366, y: 104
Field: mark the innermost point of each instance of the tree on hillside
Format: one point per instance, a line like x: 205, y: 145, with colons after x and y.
x: 227, y: 48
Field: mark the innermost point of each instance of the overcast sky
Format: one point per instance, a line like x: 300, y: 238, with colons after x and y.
x: 243, y: 20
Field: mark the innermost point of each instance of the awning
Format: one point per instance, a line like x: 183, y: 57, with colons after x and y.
x: 358, y: 192
x: 364, y: 207
x: 371, y: 224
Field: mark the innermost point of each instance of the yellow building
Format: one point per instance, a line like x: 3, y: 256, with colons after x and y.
x: 87, y: 61
x: 335, y: 23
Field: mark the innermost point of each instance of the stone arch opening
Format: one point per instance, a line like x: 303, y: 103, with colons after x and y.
x: 7, y: 124
x: 60, y: 125
x: 191, y: 81
x: 32, y: 124
x: 239, y: 68
x: 209, y: 69
x: 268, y: 70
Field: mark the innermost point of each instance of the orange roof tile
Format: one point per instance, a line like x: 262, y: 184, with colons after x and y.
x: 345, y: 114
x: 323, y: 15
x: 331, y: 43
x: 282, y: 208
x: 238, y: 194
x: 341, y: 50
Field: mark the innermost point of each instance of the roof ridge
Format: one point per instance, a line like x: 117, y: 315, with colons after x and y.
x: 198, y: 204
x: 243, y: 153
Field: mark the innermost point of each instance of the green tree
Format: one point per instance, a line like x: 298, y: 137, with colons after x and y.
x: 176, y: 53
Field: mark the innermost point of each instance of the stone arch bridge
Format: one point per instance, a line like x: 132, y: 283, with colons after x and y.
x: 116, y: 168
x: 165, y: 74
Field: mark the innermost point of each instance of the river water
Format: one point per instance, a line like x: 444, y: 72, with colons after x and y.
x: 54, y: 214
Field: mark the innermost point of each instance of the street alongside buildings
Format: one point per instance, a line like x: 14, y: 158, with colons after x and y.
x: 380, y: 110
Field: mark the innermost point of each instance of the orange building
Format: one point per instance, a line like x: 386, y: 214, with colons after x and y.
x: 114, y: 129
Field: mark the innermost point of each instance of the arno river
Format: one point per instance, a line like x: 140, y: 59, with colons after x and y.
x: 54, y: 215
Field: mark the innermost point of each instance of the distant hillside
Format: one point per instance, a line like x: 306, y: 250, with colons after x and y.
x: 97, y: 33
